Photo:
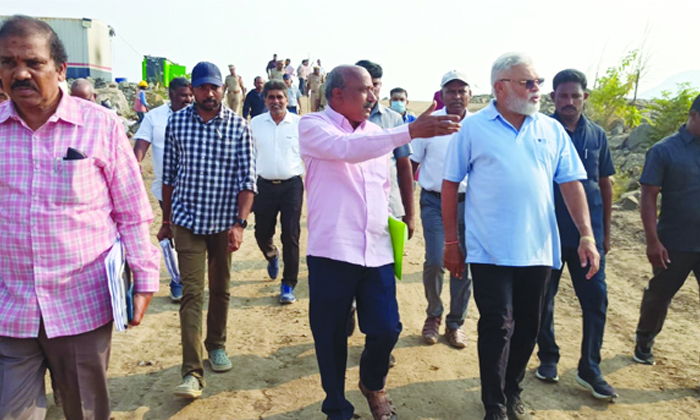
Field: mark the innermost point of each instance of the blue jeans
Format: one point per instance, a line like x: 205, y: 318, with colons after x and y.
x: 593, y: 297
x: 332, y: 287
x: 433, y: 269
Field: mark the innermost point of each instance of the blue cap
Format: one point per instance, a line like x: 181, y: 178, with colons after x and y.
x: 286, y: 77
x: 206, y: 73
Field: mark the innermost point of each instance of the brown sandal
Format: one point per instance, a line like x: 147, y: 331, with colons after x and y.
x: 379, y: 404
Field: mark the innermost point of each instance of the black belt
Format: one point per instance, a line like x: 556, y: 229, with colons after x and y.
x: 277, y: 181
x: 460, y: 196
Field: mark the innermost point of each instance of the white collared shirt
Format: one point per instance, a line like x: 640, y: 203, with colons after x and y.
x: 152, y: 130
x: 277, y: 146
x: 431, y: 153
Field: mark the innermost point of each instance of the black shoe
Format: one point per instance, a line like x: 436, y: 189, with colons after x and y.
x: 515, y: 409
x: 644, y: 355
x: 495, y: 416
x: 351, y: 322
x: 598, y: 387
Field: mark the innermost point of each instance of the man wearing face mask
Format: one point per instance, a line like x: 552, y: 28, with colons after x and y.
x: 208, y: 189
x: 399, y: 102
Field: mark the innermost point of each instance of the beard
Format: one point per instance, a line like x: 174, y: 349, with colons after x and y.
x: 522, y: 106
x: 209, y: 104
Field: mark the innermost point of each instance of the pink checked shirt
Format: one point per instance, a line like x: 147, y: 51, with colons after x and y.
x: 347, y: 181
x: 59, y: 218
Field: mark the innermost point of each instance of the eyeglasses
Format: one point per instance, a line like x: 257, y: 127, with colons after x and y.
x: 529, y: 83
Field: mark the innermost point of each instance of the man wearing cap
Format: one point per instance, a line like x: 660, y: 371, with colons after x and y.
x: 140, y: 101
x: 293, y: 95
x: 254, y: 104
x: 429, y: 155
x: 672, y: 168
x: 278, y: 72
x: 315, y: 82
x: 208, y: 190
x: 235, y: 91
x: 280, y: 188
x: 512, y: 154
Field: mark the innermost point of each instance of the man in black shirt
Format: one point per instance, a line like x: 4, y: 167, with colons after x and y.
x: 672, y: 168
x: 254, y: 103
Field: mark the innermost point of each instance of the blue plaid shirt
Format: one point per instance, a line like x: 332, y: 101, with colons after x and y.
x: 208, y: 164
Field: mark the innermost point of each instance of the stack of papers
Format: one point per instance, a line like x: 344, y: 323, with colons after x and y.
x: 170, y: 257
x: 119, y: 286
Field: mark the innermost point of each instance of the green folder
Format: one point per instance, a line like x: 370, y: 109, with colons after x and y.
x: 399, y: 235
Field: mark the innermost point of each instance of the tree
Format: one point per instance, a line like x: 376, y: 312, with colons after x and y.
x: 669, y: 112
x: 608, y: 99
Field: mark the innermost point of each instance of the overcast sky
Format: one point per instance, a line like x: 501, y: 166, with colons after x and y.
x: 415, y: 41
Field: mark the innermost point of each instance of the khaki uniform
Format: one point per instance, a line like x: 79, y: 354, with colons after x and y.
x: 314, y: 85
x: 277, y: 74
x: 234, y: 93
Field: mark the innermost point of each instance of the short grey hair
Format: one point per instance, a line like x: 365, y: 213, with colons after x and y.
x: 335, y: 80
x: 506, y: 62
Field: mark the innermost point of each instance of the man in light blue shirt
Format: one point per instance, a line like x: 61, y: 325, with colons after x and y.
x: 293, y: 95
x: 512, y: 154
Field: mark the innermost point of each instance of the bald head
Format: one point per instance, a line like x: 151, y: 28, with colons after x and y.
x: 82, y: 88
x: 349, y: 93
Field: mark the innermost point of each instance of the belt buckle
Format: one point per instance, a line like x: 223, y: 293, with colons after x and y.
x: 276, y: 181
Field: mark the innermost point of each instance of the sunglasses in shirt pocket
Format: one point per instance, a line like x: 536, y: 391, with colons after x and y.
x: 77, y: 181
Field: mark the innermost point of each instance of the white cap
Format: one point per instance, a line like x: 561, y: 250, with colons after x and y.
x: 453, y: 75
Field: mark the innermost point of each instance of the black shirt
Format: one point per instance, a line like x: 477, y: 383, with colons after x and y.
x: 674, y: 165
x: 591, y: 143
x: 254, y: 104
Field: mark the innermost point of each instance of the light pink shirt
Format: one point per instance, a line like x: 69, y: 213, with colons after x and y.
x: 58, y: 219
x: 347, y: 182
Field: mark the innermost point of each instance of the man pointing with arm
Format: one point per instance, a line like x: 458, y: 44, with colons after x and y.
x: 349, y: 250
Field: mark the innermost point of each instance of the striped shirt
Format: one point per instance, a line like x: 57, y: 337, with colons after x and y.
x: 59, y: 219
x: 208, y: 164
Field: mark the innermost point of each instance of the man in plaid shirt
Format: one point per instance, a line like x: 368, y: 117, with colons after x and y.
x: 60, y: 213
x: 208, y: 190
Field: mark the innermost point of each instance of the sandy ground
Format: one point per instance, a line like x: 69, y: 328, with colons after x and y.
x: 275, y: 375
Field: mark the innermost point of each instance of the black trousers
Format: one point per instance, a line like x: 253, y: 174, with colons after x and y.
x: 510, y: 305
x: 284, y: 198
x: 660, y: 291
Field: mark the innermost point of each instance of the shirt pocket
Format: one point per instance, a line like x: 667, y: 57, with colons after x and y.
x: 76, y: 182
x: 544, y: 151
x: 591, y: 161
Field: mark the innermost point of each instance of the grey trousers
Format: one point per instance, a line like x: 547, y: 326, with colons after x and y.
x: 433, y: 270
x: 78, y: 365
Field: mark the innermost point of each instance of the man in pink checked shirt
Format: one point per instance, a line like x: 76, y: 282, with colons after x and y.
x: 58, y: 219
x: 349, y: 249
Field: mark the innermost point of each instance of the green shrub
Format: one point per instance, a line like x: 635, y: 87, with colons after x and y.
x: 608, y: 99
x: 670, y: 112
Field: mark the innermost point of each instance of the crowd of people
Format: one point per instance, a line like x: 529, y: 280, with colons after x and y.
x: 508, y: 195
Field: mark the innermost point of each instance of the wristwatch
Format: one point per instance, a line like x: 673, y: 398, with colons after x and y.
x: 242, y: 222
